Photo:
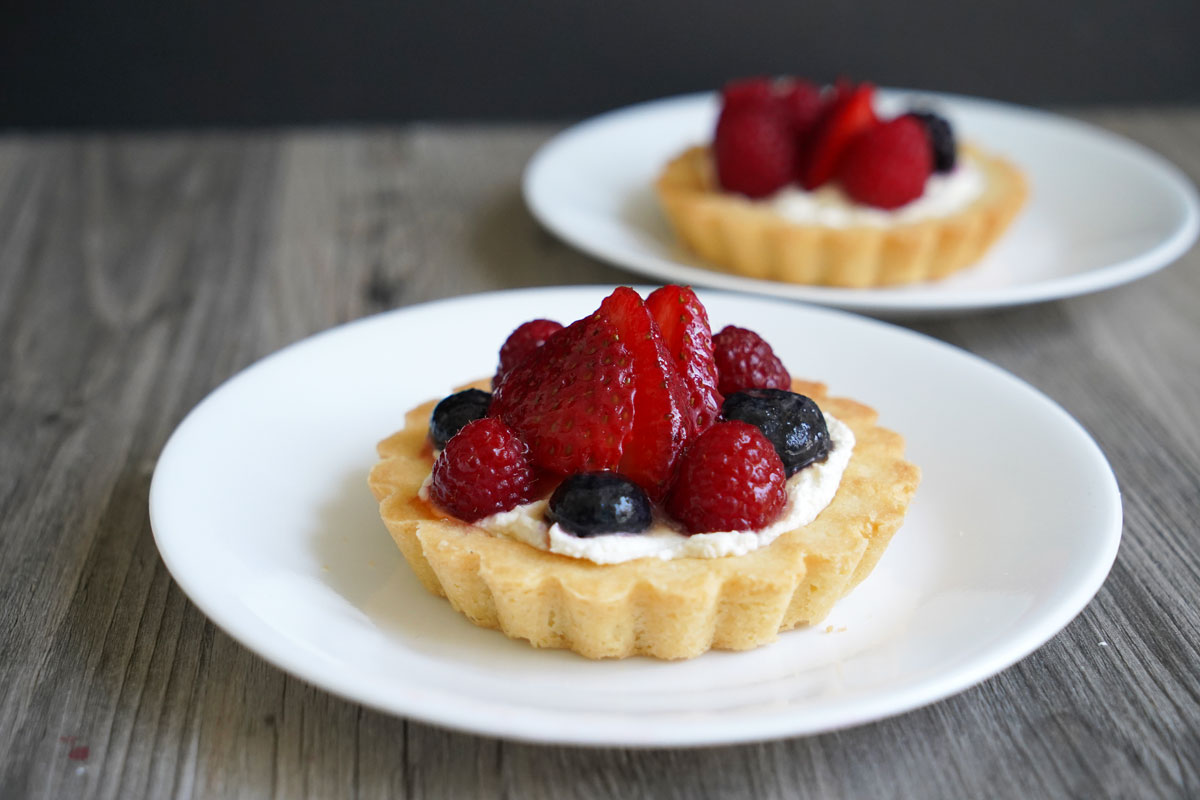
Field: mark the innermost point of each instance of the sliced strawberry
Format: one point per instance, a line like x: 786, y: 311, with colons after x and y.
x: 683, y: 322
x: 571, y: 400
x: 849, y: 115
x: 660, y: 419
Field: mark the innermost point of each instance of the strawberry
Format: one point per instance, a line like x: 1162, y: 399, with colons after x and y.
x: 684, y: 325
x: 660, y: 419
x: 572, y: 399
x: 888, y: 165
x: 745, y: 361
x: 522, y: 342
x: 484, y: 469
x: 730, y: 479
x: 849, y: 115
x: 754, y: 149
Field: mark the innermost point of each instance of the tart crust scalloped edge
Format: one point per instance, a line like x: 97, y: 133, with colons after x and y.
x: 665, y: 609
x: 733, y: 234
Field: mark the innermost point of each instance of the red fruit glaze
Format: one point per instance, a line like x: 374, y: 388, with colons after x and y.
x: 745, y: 361
x: 730, y: 479
x: 754, y: 150
x: 849, y: 115
x: 888, y: 165
x: 484, y: 469
x: 572, y: 399
x: 683, y: 322
x: 527, y: 338
x: 660, y: 419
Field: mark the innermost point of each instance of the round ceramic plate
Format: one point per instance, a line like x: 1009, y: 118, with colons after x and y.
x: 1103, y: 210
x: 261, y: 511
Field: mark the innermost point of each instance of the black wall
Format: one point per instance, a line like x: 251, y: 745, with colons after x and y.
x: 136, y: 63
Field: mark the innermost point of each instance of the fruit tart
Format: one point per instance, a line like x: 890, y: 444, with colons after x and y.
x: 634, y: 485
x: 809, y: 185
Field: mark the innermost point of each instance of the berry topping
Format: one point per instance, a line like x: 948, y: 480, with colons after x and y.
x: 683, y: 323
x: 888, y: 165
x: 484, y: 469
x: 791, y: 422
x: 730, y: 479
x: 745, y: 361
x: 572, y: 400
x: 747, y: 93
x: 801, y: 104
x: 592, y: 503
x: 455, y: 411
x: 661, y: 421
x: 522, y: 342
x: 754, y: 150
x: 941, y: 139
x: 849, y: 115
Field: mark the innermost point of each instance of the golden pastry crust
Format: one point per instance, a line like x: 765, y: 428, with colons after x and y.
x: 737, y: 235
x: 665, y: 609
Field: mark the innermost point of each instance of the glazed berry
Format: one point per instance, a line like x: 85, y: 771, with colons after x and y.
x: 745, y: 361
x: 455, y: 411
x: 592, y: 503
x: 888, y: 165
x: 941, y: 139
x: 572, y: 400
x: 791, y: 422
x: 522, y: 342
x: 754, y: 150
x: 730, y: 479
x: 849, y: 114
x: 683, y: 322
x: 484, y: 469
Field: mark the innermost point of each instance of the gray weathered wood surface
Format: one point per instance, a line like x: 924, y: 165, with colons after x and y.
x: 137, y: 272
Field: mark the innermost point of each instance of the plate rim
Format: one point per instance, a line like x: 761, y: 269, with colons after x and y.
x: 465, y: 715
x: 907, y: 301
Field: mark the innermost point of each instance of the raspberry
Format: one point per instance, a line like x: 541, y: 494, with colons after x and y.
x: 801, y: 104
x: 747, y: 93
x: 745, y: 361
x: 572, y: 399
x: 754, y: 150
x: 848, y: 115
x: 523, y: 341
x: 660, y: 420
x: 483, y: 470
x: 887, y: 166
x: 684, y: 325
x: 730, y: 479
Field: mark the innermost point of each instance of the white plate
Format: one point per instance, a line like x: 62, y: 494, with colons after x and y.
x: 1103, y: 210
x: 261, y: 512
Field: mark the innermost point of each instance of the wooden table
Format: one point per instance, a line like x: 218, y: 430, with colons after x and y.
x: 139, y: 271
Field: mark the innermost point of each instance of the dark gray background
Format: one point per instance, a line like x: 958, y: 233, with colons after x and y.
x: 143, y: 63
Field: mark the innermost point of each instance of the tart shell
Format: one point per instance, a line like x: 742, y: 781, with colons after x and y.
x: 737, y: 235
x: 665, y: 609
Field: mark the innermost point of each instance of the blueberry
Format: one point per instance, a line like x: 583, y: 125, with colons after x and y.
x: 941, y: 138
x: 791, y: 422
x: 592, y: 503
x: 455, y: 411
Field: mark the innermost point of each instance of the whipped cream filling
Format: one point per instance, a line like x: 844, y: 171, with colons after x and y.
x: 832, y: 207
x: 809, y: 491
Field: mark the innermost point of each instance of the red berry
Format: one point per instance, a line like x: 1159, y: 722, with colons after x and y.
x: 572, y: 399
x: 849, y: 115
x: 801, y: 104
x: 684, y: 325
x: 745, y: 361
x: 660, y: 420
x: 754, y: 150
x: 484, y: 469
x: 522, y: 342
x: 888, y: 165
x: 747, y: 93
x: 730, y: 479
